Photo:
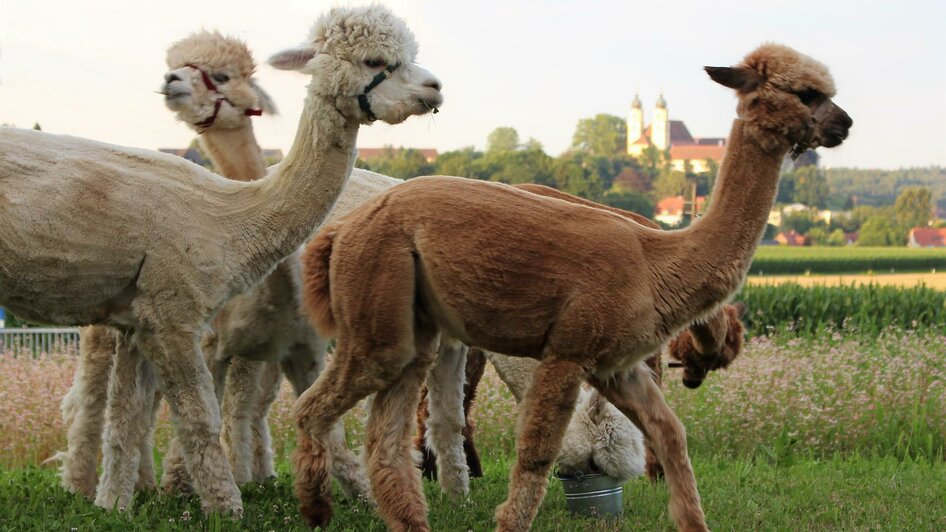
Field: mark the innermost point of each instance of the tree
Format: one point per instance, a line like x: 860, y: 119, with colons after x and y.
x: 36, y: 126
x: 880, y: 231
x: 460, y: 163
x: 514, y: 167
x: 630, y: 201
x: 653, y: 161
x: 576, y: 173
x: 913, y: 208
x: 671, y: 183
x: 403, y: 163
x: 818, y: 236
x: 800, y: 222
x: 604, y: 135
x: 502, y: 139
x: 811, y: 186
x: 836, y: 238
x: 532, y: 144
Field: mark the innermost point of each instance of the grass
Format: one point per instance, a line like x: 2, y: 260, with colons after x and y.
x: 738, y: 494
x: 819, y: 433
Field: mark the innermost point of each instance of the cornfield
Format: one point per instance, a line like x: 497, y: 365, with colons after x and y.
x: 849, y: 310
x: 777, y: 260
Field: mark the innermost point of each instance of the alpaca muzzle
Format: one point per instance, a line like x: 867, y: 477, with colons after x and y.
x: 204, y: 125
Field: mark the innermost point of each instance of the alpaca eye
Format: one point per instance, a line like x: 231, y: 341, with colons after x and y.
x: 808, y: 96
x: 375, y: 63
x: 221, y: 78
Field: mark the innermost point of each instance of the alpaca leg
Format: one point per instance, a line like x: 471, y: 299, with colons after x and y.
x: 305, y: 363
x: 270, y: 381
x: 83, y: 410
x: 543, y: 418
x: 174, y: 477
x: 395, y: 479
x: 131, y: 392
x: 638, y: 397
x: 188, y: 385
x: 146, y: 477
x: 652, y: 465
x: 446, y: 422
x: 239, y: 410
x: 318, y: 410
x: 428, y: 461
x: 475, y: 366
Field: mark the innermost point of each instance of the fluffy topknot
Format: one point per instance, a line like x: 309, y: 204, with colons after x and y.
x: 213, y: 51
x: 789, y: 69
x: 358, y: 33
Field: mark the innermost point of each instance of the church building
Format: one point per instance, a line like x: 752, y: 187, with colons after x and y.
x: 686, y: 152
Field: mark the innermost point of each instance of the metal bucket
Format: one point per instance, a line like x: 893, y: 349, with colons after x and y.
x: 594, y: 495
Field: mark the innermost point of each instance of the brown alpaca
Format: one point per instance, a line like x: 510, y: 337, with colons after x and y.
x: 587, y: 292
x: 720, y: 341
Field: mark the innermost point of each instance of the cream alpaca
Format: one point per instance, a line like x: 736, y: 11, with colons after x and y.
x: 587, y: 292
x: 163, y: 244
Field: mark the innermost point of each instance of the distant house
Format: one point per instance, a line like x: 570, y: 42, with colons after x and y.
x: 927, y: 237
x: 791, y: 238
x: 670, y: 210
x: 851, y: 238
x: 366, y: 154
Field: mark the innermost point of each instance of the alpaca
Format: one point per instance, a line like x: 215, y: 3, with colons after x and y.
x: 156, y: 266
x: 721, y: 341
x: 228, y: 137
x: 587, y: 292
x: 262, y: 330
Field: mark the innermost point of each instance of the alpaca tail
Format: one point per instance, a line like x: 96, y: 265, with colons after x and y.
x: 316, y: 290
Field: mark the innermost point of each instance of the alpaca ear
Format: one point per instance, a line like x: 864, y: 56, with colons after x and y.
x: 293, y: 58
x: 265, y: 102
x: 738, y: 78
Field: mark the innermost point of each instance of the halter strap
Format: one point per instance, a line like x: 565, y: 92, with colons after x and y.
x: 204, y: 125
x: 363, y: 97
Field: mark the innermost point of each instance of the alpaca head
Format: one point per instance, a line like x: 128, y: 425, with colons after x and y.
x: 786, y: 98
x: 362, y: 61
x: 210, y: 82
x: 709, y: 345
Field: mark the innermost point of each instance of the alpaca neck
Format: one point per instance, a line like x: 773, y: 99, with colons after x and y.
x: 701, y: 266
x: 278, y: 213
x: 234, y: 152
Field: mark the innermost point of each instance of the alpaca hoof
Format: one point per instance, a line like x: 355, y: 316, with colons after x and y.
x: 318, y: 513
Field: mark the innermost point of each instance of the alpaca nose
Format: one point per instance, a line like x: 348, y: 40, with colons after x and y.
x: 171, y: 76
x: 433, y: 83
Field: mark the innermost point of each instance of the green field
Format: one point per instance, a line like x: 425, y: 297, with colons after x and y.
x: 829, y: 432
x: 835, y: 494
x: 778, y: 260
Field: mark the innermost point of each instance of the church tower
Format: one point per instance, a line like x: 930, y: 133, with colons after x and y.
x: 660, y: 128
x: 635, y: 123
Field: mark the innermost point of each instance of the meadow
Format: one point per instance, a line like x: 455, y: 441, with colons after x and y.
x: 832, y: 418
x: 823, y: 431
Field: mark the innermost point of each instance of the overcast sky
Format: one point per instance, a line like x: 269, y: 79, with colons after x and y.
x: 90, y: 68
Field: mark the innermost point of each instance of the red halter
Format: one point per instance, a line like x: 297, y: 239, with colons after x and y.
x: 203, y: 125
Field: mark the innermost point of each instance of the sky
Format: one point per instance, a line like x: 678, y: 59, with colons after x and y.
x: 91, y: 67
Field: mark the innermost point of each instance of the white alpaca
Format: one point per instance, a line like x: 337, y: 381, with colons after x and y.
x: 153, y: 246
x: 599, y: 438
